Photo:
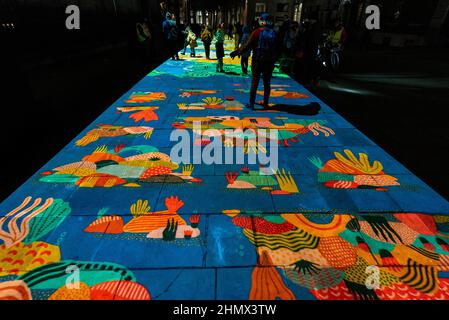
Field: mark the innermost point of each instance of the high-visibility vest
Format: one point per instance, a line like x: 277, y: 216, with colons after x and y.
x: 336, y: 36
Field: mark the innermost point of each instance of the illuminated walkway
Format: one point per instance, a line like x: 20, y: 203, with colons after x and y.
x: 114, y: 208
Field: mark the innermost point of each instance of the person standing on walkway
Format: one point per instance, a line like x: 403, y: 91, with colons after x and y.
x: 185, y: 34
x: 191, y: 40
x: 206, y: 37
x: 264, y: 43
x: 338, y: 35
x: 245, y: 55
x: 236, y: 34
x: 229, y: 31
x: 171, y: 35
x: 219, y: 46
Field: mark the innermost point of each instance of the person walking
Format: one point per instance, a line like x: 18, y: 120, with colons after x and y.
x: 245, y: 55
x: 264, y: 43
x: 206, y: 37
x: 185, y: 34
x: 170, y: 31
x: 219, y: 46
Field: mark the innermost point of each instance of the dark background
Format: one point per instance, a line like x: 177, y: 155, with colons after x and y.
x: 56, y: 81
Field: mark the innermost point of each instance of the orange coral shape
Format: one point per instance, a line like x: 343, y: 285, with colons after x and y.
x: 267, y: 284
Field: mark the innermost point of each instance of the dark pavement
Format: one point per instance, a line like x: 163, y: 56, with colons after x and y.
x: 397, y: 97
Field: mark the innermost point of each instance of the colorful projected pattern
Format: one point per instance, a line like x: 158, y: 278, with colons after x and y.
x: 340, y: 219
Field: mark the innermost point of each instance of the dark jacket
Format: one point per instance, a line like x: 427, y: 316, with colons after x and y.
x: 253, y: 43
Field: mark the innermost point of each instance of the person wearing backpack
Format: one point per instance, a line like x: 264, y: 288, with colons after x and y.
x: 264, y: 44
x: 206, y: 37
x: 219, y: 46
x: 191, y: 39
x: 171, y: 35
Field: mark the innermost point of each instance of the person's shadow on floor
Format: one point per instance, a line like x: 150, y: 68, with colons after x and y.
x: 310, y: 109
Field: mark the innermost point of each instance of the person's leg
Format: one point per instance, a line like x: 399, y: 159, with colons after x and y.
x: 221, y: 55
x: 267, y: 74
x: 174, y: 50
x: 245, y: 65
x: 254, y: 83
x: 206, y: 51
x: 217, y: 54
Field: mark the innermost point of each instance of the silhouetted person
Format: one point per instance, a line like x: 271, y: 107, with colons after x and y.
x: 290, y: 38
x: 338, y: 35
x: 229, y: 31
x: 185, y: 34
x: 171, y: 35
x: 306, y: 51
x: 191, y: 40
x: 284, y: 27
x: 206, y: 37
x: 264, y: 43
x: 238, y: 33
x: 245, y: 55
x: 219, y: 47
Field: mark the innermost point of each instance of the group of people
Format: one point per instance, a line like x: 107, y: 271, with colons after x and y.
x: 301, y: 43
x: 297, y: 41
x: 263, y: 42
x: 206, y: 34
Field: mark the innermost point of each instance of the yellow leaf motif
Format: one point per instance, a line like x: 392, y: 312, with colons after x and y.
x: 140, y: 208
x: 286, y: 181
x: 212, y: 100
x: 362, y: 164
x: 87, y: 139
x: 187, y: 170
x: 148, y: 135
x: 101, y: 149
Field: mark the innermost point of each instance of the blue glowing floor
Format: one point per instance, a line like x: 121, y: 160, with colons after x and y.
x: 117, y: 210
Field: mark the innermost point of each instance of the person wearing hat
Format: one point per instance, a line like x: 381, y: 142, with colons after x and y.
x: 264, y: 44
x: 171, y: 34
